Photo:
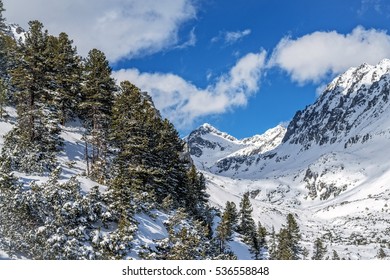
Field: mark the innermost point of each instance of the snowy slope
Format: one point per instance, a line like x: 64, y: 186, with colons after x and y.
x: 331, y: 169
x: 151, y: 226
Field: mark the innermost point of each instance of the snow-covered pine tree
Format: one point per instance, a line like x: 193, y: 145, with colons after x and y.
x: 188, y: 240
x: 33, y: 143
x: 96, y: 105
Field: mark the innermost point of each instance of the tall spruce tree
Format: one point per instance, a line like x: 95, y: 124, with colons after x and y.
x: 246, y: 223
x: 97, y: 99
x: 289, y: 238
x: 294, y: 236
x: 247, y: 226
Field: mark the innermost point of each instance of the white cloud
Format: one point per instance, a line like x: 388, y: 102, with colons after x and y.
x: 120, y: 28
x: 231, y: 37
x: 182, y: 102
x: 313, y: 56
x: 190, y: 42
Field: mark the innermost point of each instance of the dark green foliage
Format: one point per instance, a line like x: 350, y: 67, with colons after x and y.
x: 147, y: 154
x: 246, y: 225
x: 65, y: 76
x: 35, y: 140
x: 319, y: 250
x: 261, y: 240
x: 253, y: 236
x: 225, y: 229
x: 289, y: 237
x: 195, y: 193
x: 95, y: 107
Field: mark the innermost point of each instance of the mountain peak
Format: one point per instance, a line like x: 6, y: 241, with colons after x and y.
x: 356, y: 77
x: 207, y: 127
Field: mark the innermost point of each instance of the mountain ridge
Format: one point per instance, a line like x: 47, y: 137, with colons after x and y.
x: 331, y: 167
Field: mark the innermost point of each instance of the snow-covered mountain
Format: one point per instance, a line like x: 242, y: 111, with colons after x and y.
x: 208, y: 145
x: 331, y: 168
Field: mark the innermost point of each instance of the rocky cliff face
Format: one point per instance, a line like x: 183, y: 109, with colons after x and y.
x: 352, y: 102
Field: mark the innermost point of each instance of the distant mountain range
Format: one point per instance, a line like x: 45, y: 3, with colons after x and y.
x: 330, y: 165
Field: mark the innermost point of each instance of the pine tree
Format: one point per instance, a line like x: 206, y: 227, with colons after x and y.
x: 335, y: 256
x: 289, y: 237
x: 246, y: 223
x: 147, y: 151
x: 97, y: 99
x: 66, y: 76
x: 133, y: 139
x: 34, y: 141
x: 294, y: 236
x: 381, y: 254
x: 261, y: 238
x: 319, y: 250
x: 247, y: 227
x: 196, y: 196
x: 226, y: 226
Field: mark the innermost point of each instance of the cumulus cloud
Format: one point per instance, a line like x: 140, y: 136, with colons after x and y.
x: 312, y: 57
x: 231, y: 37
x: 120, y: 28
x: 182, y: 102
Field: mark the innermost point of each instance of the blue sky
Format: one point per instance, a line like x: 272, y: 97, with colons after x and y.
x: 242, y: 66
